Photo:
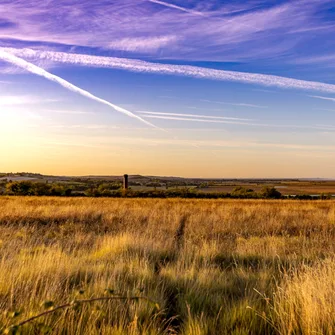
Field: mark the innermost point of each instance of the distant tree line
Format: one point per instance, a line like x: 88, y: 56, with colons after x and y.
x: 37, y: 189
x: 114, y: 189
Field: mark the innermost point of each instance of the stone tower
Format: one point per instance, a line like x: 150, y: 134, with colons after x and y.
x: 125, y: 182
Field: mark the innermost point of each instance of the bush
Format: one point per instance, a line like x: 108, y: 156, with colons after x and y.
x: 31, y: 188
x: 268, y: 192
x: 20, y: 188
x: 242, y: 192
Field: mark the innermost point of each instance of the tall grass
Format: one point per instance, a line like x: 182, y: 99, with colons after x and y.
x: 213, y: 267
x: 305, y: 302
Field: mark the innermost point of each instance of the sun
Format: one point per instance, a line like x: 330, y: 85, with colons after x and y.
x: 13, y: 119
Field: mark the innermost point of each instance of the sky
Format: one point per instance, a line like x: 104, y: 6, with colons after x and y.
x: 192, y: 88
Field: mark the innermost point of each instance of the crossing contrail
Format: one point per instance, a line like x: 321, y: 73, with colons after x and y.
x: 12, y: 59
x: 183, y: 9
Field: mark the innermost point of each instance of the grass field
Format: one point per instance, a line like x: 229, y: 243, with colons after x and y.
x: 212, y: 267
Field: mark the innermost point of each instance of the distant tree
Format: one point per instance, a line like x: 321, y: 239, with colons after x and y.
x: 242, y: 192
x: 56, y: 190
x: 68, y: 192
x: 20, y: 188
x: 269, y: 192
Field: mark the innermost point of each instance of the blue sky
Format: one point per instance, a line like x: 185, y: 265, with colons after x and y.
x: 189, y: 88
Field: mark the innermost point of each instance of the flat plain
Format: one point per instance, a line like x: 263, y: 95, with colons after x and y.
x: 209, y: 266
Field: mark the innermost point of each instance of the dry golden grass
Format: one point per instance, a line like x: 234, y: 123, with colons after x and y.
x: 306, y: 300
x: 213, y: 266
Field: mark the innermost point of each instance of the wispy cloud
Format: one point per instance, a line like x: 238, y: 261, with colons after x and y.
x: 325, y: 125
x: 11, y: 100
x: 167, y: 97
x: 83, y: 126
x: 40, y: 72
x: 239, y: 144
x: 142, y: 44
x: 326, y: 27
x: 93, y: 127
x: 180, y: 70
x: 263, y: 90
x: 194, y: 116
x: 203, y: 108
x: 325, y: 59
x: 71, y: 112
x: 164, y: 117
x: 240, y: 122
x: 236, y: 144
x: 199, y: 30
x: 217, y: 102
x: 322, y: 98
x: 325, y: 109
x: 234, y: 104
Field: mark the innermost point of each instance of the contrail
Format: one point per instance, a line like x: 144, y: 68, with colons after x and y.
x: 323, y: 98
x: 180, y: 70
x: 234, y: 104
x: 41, y: 72
x: 194, y: 116
x: 194, y: 120
x: 317, y: 127
x: 166, y: 4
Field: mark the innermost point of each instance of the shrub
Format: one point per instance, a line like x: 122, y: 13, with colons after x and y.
x: 268, y: 192
x: 242, y: 192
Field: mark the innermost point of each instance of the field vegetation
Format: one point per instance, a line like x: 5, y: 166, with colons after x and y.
x: 207, y: 266
x: 164, y: 187
x: 29, y: 188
